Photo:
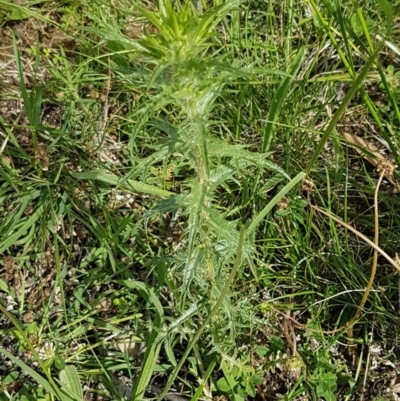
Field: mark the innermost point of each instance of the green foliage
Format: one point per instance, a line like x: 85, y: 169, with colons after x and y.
x: 30, y: 329
x: 70, y: 384
x: 182, y: 35
x: 12, y: 12
x: 239, y: 383
x: 124, y: 300
x: 169, y: 236
x: 279, y: 99
x: 393, y: 80
x: 325, y: 380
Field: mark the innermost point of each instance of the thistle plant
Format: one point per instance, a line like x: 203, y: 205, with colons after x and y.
x: 188, y: 79
x: 138, y: 198
x: 179, y: 62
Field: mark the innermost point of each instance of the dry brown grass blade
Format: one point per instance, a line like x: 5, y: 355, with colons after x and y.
x: 370, y: 153
x: 394, y: 263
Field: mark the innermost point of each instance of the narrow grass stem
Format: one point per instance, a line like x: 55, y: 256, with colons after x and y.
x: 360, y: 235
x: 377, y: 250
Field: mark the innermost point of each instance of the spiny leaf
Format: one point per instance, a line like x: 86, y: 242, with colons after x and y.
x: 236, y: 152
x: 191, y: 266
x: 194, y: 341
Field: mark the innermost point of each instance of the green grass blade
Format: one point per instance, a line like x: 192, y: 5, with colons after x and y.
x: 336, y: 117
x: 127, y: 184
x: 387, y: 9
x: 149, y: 362
x: 23, y: 230
x: 339, y: 16
x: 24, y: 92
x: 274, y: 201
x: 208, y: 373
x: 154, y: 342
x: 344, y: 58
x: 10, y: 179
x: 25, y: 368
x: 146, y: 292
x: 364, y: 27
x: 390, y: 93
x: 37, y: 96
x: 27, y: 12
x: 278, y: 100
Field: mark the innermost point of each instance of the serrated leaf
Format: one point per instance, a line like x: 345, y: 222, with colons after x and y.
x: 221, y: 149
x: 191, y: 266
x: 195, y: 208
x: 170, y: 353
x: 221, y: 174
x: 112, y: 33
x: 272, y: 182
x: 229, y: 235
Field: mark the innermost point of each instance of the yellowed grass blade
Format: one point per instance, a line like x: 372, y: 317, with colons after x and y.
x: 371, y: 153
